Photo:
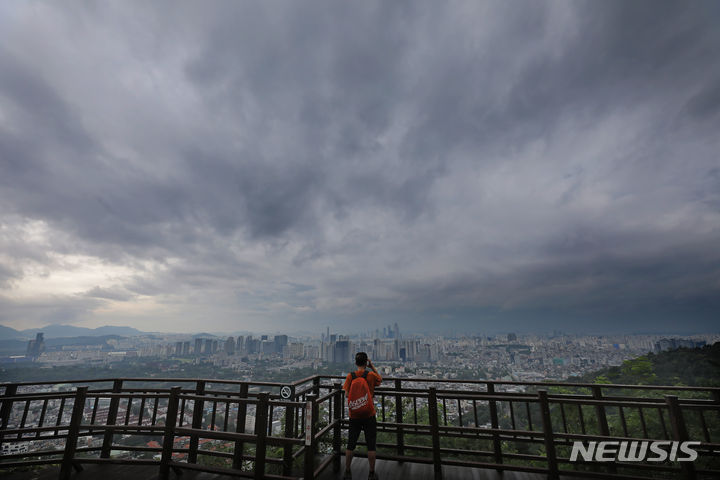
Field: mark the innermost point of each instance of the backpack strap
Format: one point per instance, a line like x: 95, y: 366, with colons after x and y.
x: 365, y: 374
x: 353, y: 375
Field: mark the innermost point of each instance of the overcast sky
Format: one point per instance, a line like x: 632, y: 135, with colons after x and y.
x: 265, y: 166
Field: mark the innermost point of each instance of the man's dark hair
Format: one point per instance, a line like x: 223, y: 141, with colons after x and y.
x: 361, y: 359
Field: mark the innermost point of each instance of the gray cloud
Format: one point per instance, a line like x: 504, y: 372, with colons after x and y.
x: 115, y: 293
x: 261, y: 165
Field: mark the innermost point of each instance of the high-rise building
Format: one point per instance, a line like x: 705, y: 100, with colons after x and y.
x: 325, y: 351
x: 198, y: 346
x: 240, y: 344
x: 178, y: 348
x: 280, y: 342
x: 208, y: 346
x: 37, y: 346
x: 365, y: 347
x: 230, y: 346
x: 252, y: 345
x: 295, y: 350
x: 411, y: 349
x: 341, y: 351
x: 186, y: 348
x: 267, y: 346
x: 312, y: 352
x: 424, y: 353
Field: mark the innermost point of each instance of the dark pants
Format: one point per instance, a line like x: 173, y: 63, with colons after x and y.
x: 367, y: 425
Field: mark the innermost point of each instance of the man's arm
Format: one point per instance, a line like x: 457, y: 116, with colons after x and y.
x: 346, y: 385
x: 374, y: 370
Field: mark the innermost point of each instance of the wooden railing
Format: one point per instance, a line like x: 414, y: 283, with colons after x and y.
x: 250, y: 430
x: 531, y: 426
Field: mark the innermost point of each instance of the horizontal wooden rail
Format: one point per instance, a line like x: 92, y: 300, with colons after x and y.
x: 424, y: 416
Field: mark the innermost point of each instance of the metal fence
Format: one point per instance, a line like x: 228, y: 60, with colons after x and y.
x: 262, y: 430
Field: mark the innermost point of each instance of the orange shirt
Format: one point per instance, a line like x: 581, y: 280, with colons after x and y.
x: 373, y: 380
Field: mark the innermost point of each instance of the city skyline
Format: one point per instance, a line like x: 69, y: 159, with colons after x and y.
x: 486, y: 167
x: 73, y: 332
x: 517, y: 356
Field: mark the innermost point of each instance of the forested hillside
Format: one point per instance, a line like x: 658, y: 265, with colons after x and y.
x: 685, y: 366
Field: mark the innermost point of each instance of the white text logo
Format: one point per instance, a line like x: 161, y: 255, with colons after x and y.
x: 634, y: 451
x: 360, y: 402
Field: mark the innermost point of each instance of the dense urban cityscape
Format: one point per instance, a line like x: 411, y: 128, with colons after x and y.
x: 523, y: 357
x: 508, y: 357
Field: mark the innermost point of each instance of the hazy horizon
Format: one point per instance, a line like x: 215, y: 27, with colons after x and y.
x: 495, y: 166
x: 364, y: 333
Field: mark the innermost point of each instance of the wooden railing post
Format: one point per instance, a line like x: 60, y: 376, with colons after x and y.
x: 310, y: 420
x: 240, y: 428
x: 73, y: 433
x: 680, y: 433
x: 316, y: 386
x: 10, y: 391
x: 316, y: 421
x: 6, y: 408
x: 111, y: 419
x: 169, y: 434
x: 289, y: 433
x: 400, y: 436
x: 261, y: 427
x: 602, y: 420
x: 435, y: 432
x: 494, y: 423
x: 337, y: 418
x: 600, y: 412
x: 196, y: 421
x: 548, y: 434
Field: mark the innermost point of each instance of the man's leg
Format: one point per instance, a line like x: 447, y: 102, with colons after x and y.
x: 353, y: 435
x: 370, y: 438
x: 348, y: 459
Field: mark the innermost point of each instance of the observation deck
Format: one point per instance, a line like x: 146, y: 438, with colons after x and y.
x: 158, y: 428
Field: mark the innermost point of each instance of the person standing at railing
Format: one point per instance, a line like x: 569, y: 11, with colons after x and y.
x: 359, y: 389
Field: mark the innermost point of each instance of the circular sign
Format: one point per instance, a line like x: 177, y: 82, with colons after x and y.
x: 286, y: 392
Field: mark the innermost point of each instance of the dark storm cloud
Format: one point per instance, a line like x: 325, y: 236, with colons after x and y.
x: 264, y: 164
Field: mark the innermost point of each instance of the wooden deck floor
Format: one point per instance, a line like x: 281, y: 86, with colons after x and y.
x: 386, y: 470
x: 389, y: 470
x: 111, y: 472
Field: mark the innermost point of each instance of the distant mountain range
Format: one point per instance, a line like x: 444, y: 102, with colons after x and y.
x: 56, y: 331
